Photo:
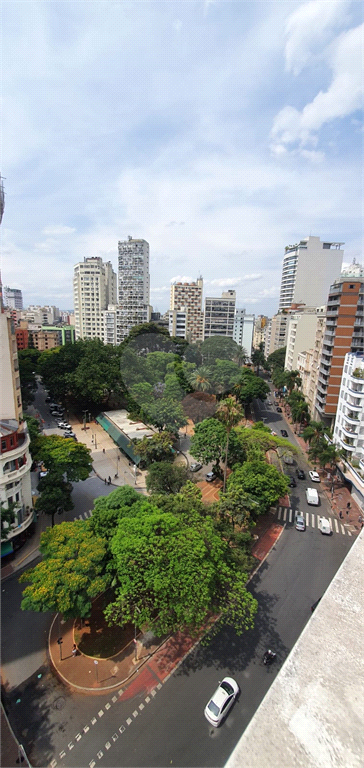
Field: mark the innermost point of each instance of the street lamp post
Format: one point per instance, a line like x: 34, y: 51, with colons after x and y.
x: 135, y: 640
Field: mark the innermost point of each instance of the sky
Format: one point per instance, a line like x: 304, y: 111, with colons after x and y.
x: 218, y: 131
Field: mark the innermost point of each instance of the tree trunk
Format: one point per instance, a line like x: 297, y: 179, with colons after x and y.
x: 226, y: 455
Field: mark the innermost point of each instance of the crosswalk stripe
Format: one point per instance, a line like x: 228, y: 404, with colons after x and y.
x: 285, y: 515
x: 290, y: 515
x: 348, y: 532
x: 307, y: 519
x: 342, y: 528
x: 336, y: 526
x: 80, y: 517
x: 313, y: 520
x: 279, y: 513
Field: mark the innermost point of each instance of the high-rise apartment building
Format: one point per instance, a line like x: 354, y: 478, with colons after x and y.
x: 276, y: 335
x: 349, y: 422
x: 301, y: 331
x: 260, y: 331
x: 220, y: 315
x: 94, y: 288
x: 187, y: 298
x: 243, y: 330
x: 111, y: 325
x: 134, y: 284
x: 12, y: 297
x: 309, y: 268
x: 15, y: 460
x: 344, y: 333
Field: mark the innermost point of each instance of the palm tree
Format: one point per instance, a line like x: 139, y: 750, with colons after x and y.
x: 315, y: 431
x: 229, y: 413
x: 200, y: 379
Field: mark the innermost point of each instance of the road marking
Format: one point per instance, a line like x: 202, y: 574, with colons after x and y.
x: 53, y: 763
x: 336, y: 526
x: 92, y: 764
x: 100, y: 754
x: 100, y: 713
x: 107, y: 706
x: 62, y: 755
x: 141, y: 706
x: 153, y: 692
x: 114, y: 699
x: 71, y: 745
x: 342, y: 529
x: 279, y: 513
x: 86, y: 728
x: 93, y: 721
x: 313, y: 520
x: 115, y: 737
x: 129, y: 721
x: 122, y: 727
x: 135, y: 713
x: 147, y: 699
x: 290, y: 515
x: 348, y: 532
x: 79, y: 736
x: 159, y: 686
x: 80, y: 517
x: 107, y: 745
x: 121, y: 691
x: 307, y: 518
x: 285, y: 515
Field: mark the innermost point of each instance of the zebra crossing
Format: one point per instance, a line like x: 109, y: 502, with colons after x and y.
x: 84, y: 516
x: 287, y: 515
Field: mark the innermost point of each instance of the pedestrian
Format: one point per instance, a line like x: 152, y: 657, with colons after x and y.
x: 109, y: 480
x: 103, y: 450
x: 348, y: 507
x: 105, y: 481
x: 340, y: 515
x: 74, y: 650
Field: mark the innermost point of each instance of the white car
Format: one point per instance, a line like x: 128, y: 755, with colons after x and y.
x: 65, y: 425
x: 315, y: 477
x: 324, y: 525
x: 221, y: 701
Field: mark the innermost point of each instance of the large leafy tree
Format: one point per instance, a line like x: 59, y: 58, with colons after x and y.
x: 276, y: 360
x: 225, y: 374
x: 171, y: 573
x: 159, y: 447
x: 258, y: 358
x: 200, y: 379
x: 28, y: 361
x: 166, y: 414
x: 249, y: 387
x: 229, y: 413
x: 71, y: 574
x: 163, y: 477
x: 261, y: 481
x: 209, y: 441
x: 108, y: 510
x: 55, y: 496
x: 63, y: 457
x: 199, y: 406
x: 219, y: 348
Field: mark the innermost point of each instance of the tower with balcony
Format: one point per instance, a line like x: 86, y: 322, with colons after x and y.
x: 349, y: 423
x: 344, y: 333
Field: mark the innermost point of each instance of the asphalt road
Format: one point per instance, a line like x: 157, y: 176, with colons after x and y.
x: 170, y: 728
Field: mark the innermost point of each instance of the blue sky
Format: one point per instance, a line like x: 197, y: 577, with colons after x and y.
x: 218, y: 131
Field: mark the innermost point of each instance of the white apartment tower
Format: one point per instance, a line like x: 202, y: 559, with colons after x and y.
x: 220, y: 315
x: 309, y: 268
x: 134, y: 283
x: 94, y: 288
x: 186, y: 298
x: 243, y: 330
x: 12, y: 297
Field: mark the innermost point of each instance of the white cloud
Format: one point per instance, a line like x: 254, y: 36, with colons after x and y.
x: 342, y: 98
x: 58, y: 230
x: 182, y: 279
x: 309, y: 29
x: 229, y: 282
x: 162, y: 289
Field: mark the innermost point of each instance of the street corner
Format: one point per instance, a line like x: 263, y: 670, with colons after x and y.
x: 262, y: 548
x: 167, y: 658
x: 142, y: 684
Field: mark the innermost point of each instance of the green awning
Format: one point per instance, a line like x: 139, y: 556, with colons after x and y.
x: 6, y: 548
x: 121, y: 440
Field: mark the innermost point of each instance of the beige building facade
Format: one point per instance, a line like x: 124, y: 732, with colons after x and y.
x: 187, y: 298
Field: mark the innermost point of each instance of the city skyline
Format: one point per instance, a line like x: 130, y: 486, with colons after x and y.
x: 219, y: 132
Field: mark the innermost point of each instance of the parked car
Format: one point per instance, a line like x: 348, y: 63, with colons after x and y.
x: 64, y: 425
x: 291, y: 480
x: 221, y: 701
x: 300, y: 522
x: 195, y: 467
x: 315, y: 477
x: 300, y: 474
x: 210, y: 477
x: 48, y: 399
x: 70, y: 434
x: 43, y: 473
x: 57, y: 414
x: 284, y: 433
x: 279, y: 409
x: 324, y: 525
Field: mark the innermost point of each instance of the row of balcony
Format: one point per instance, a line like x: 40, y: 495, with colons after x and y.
x: 15, y: 528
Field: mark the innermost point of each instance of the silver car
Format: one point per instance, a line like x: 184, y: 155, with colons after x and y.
x: 222, y: 700
x: 300, y: 523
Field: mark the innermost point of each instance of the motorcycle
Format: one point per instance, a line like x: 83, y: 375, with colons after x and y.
x: 269, y: 657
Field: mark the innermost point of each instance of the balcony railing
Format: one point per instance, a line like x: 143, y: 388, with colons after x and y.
x: 14, y: 529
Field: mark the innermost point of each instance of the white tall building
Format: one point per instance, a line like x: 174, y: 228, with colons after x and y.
x: 220, y: 315
x: 12, y: 297
x: 349, y: 422
x: 94, y: 288
x: 309, y: 268
x: 243, y: 330
x: 134, y: 284
x: 301, y: 333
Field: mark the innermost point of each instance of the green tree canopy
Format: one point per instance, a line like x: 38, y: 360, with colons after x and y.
x: 209, y: 441
x: 164, y: 477
x: 28, y: 361
x: 108, y: 510
x: 261, y: 481
x: 249, y: 387
x: 276, y: 360
x: 63, y: 456
x: 71, y: 573
x: 171, y: 573
x: 229, y: 412
x: 219, y: 348
x: 156, y: 448
x: 55, y: 495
